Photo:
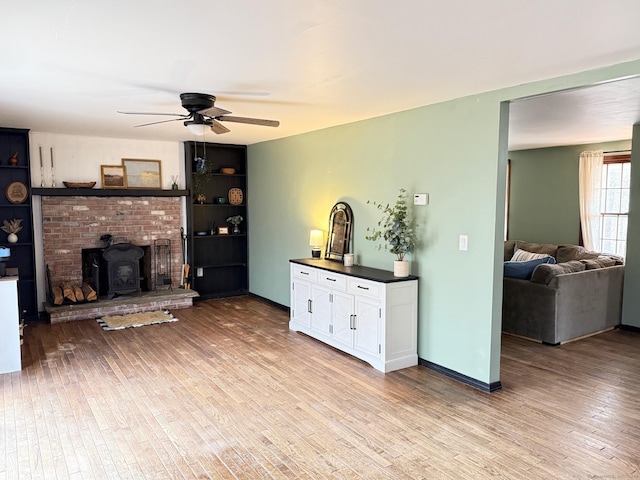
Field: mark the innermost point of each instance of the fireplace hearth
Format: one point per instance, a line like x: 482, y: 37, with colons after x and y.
x: 139, y: 220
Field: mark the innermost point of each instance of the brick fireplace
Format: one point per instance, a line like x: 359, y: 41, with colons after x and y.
x: 73, y: 223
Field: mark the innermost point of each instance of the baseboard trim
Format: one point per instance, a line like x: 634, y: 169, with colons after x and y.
x: 485, y: 387
x: 270, y: 302
x: 629, y: 328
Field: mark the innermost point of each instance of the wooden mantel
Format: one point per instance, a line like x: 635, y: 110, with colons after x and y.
x: 108, y: 192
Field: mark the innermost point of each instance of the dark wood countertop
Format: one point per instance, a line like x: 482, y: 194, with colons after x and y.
x: 366, y: 273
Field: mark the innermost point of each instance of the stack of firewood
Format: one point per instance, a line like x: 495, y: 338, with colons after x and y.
x: 73, y: 293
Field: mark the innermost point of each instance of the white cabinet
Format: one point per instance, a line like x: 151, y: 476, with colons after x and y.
x: 362, y: 311
x: 10, y: 360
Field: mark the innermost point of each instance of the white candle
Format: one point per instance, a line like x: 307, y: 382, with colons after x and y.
x: 53, y: 182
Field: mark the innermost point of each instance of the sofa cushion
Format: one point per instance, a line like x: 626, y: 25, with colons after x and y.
x: 546, y: 272
x: 600, y: 262
x: 523, y: 270
x: 567, y: 253
x: 524, y: 256
x: 509, y: 247
x: 548, y: 248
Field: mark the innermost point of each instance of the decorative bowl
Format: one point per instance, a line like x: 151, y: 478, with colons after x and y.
x: 228, y: 170
x: 79, y: 184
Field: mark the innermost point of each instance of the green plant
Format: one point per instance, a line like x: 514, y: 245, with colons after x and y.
x: 235, y: 220
x: 397, y: 227
x: 12, y: 226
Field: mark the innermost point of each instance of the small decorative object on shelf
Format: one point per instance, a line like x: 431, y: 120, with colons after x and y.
x: 174, y: 182
x: 17, y: 192
x: 223, y: 230
x: 79, y: 184
x: 41, y: 168
x: 398, y: 229
x: 12, y: 227
x: 53, y: 181
x: 235, y: 196
x: 13, y: 159
x: 235, y: 220
x: 201, y: 198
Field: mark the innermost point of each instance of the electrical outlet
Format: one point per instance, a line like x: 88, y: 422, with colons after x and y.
x: 199, y: 272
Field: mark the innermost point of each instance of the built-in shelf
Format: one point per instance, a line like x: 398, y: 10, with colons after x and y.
x: 220, y: 235
x: 108, y: 192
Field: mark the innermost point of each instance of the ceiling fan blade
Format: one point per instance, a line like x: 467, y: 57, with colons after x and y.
x: 218, y: 128
x: 163, y: 121
x: 213, y: 112
x: 151, y: 113
x: 252, y: 121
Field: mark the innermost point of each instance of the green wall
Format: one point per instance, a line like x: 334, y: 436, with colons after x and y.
x: 544, y: 203
x: 455, y: 152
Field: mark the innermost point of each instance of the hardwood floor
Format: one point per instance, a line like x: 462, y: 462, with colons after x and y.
x: 229, y: 392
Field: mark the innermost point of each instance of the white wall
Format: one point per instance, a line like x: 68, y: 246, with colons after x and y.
x: 78, y: 159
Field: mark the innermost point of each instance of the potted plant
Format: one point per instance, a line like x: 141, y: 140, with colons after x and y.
x: 396, y: 231
x: 235, y: 220
x: 12, y: 227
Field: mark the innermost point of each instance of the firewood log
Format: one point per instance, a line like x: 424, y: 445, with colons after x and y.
x: 57, y: 295
x: 67, y: 291
x: 89, y: 293
x: 77, y: 291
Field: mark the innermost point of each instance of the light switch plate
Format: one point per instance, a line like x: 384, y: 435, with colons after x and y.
x: 199, y: 272
x: 463, y: 242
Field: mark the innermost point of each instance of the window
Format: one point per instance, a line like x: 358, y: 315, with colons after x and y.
x: 614, y: 204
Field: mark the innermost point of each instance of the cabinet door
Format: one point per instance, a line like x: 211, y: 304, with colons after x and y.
x: 320, y: 310
x: 341, y: 319
x: 367, y: 326
x: 300, y: 296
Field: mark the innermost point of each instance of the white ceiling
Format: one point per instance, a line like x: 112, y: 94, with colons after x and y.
x: 67, y: 66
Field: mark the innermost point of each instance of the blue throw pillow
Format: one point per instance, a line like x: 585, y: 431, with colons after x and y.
x: 524, y: 270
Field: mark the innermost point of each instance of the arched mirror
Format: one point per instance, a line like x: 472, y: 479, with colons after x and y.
x: 339, y: 238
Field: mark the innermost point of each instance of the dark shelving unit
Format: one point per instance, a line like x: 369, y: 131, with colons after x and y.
x: 219, y: 263
x: 22, y: 253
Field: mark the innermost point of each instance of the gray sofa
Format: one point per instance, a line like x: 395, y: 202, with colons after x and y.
x: 579, y: 295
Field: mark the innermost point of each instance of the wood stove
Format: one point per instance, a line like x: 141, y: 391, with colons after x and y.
x: 123, y: 269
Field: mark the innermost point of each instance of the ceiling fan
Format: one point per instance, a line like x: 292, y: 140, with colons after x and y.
x: 204, y: 115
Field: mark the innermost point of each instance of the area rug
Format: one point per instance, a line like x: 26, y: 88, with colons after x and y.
x: 119, y: 322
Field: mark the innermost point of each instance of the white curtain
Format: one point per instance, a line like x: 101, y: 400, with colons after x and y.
x: 590, y: 184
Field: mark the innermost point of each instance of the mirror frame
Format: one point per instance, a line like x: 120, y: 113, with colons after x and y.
x: 339, y: 237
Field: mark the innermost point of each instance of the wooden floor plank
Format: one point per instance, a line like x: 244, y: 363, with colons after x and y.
x: 229, y: 392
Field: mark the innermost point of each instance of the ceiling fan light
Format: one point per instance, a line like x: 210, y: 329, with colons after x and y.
x: 197, y: 128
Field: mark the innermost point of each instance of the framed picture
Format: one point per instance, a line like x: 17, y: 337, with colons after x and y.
x: 113, y: 176
x: 223, y: 230
x: 143, y: 173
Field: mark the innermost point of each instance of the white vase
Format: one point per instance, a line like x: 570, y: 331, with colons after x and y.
x: 12, y: 238
x: 401, y: 268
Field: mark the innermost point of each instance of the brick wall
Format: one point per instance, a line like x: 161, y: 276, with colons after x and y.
x: 70, y: 224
